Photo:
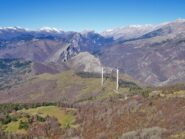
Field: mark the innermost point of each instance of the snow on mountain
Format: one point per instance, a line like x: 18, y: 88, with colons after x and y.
x: 134, y: 31
x: 180, y: 20
x: 50, y: 29
x: 128, y: 32
x: 123, y: 33
x: 43, y: 29
x: 86, y: 32
x: 12, y: 29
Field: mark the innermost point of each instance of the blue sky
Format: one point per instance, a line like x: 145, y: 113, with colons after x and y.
x: 78, y: 15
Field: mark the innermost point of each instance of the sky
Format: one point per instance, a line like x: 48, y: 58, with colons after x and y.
x: 79, y: 15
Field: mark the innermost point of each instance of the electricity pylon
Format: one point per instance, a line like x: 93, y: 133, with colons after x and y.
x: 102, y: 76
x: 117, y: 79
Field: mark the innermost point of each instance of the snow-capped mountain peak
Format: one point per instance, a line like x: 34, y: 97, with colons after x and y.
x: 128, y: 31
x: 180, y: 20
x: 140, y: 26
x: 16, y: 28
x: 50, y: 29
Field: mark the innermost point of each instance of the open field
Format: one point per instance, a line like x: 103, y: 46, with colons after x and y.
x: 38, y: 120
x: 63, y: 117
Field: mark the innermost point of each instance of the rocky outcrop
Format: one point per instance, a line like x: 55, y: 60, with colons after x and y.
x: 86, y: 62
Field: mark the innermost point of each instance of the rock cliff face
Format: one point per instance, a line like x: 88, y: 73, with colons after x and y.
x: 86, y: 62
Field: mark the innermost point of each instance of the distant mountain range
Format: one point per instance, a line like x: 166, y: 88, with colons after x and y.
x: 152, y: 54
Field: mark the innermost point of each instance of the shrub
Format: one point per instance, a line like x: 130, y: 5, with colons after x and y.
x: 6, y: 120
x: 67, y: 125
x: 13, y: 118
x: 146, y: 92
x: 40, y: 119
x: 23, y: 125
x: 88, y: 75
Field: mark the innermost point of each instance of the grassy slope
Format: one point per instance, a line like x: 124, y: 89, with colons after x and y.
x: 66, y: 86
x: 65, y: 118
x: 85, y: 87
x: 13, y: 127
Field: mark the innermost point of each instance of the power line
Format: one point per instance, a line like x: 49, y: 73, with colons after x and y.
x: 102, y: 77
x: 117, y: 80
x: 117, y: 77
